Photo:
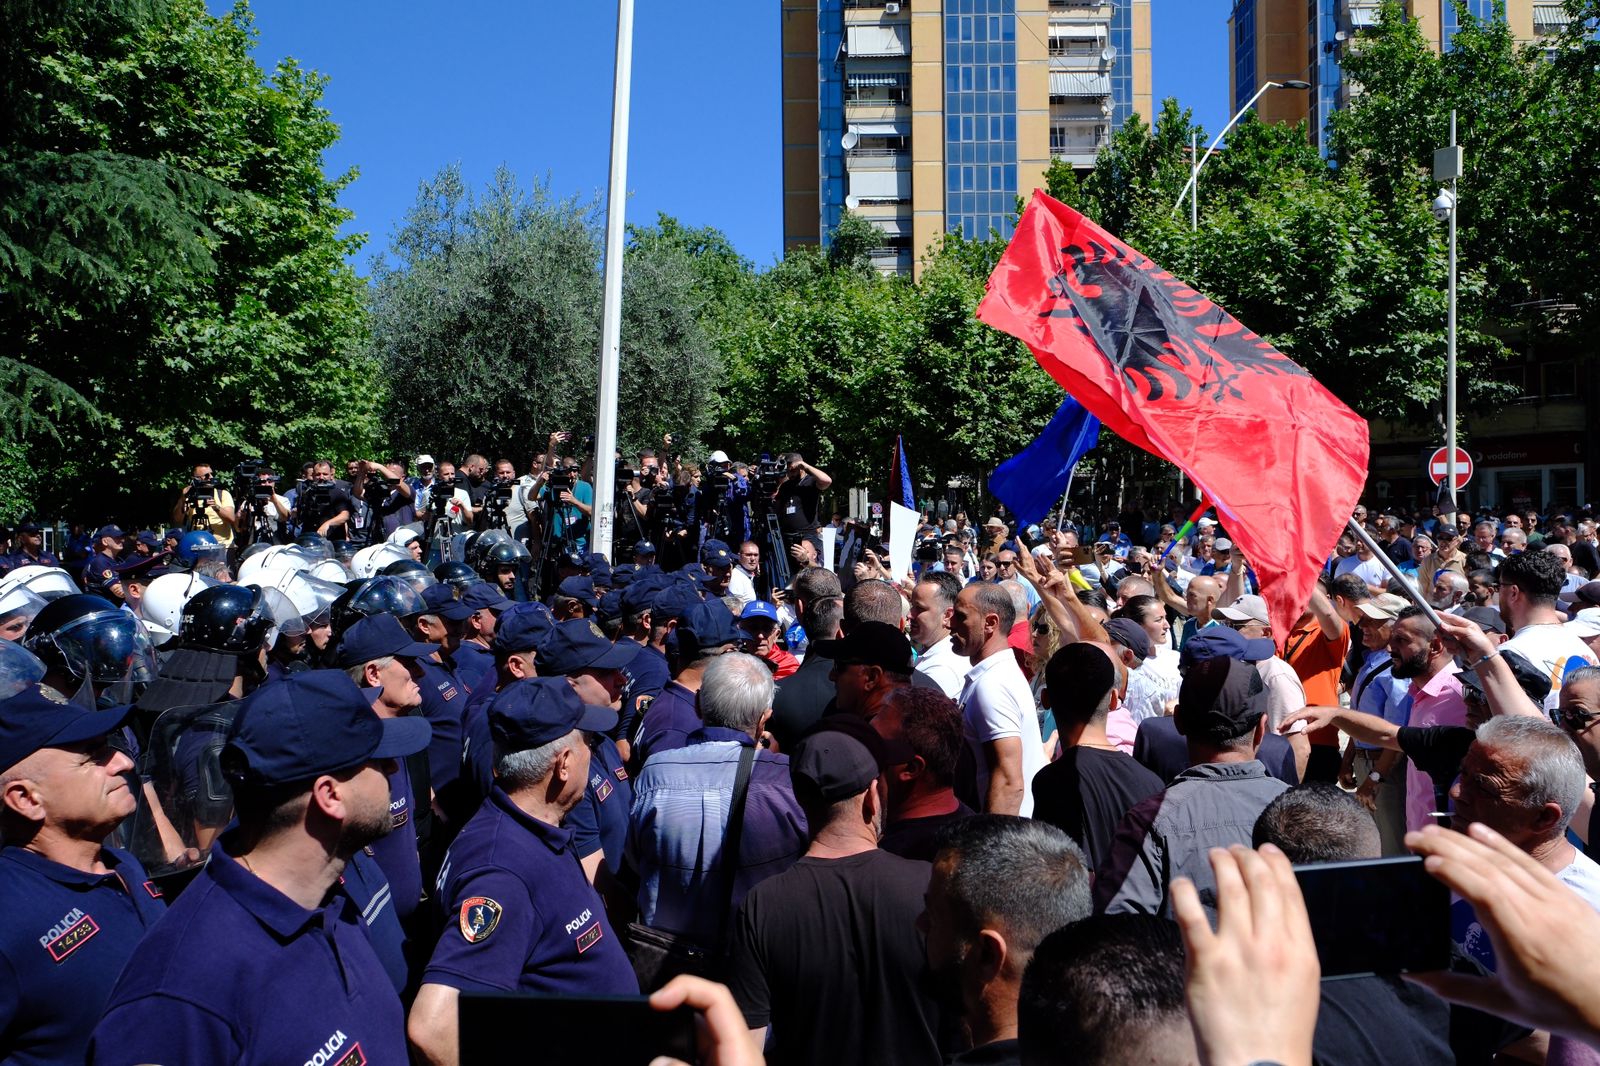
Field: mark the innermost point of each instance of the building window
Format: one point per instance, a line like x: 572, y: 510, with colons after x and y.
x: 980, y: 109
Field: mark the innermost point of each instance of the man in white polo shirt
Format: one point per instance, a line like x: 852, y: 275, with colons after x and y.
x: 997, y: 706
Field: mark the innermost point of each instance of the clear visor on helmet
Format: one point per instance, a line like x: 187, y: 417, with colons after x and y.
x: 316, y: 545
x: 19, y: 669
x: 331, y: 570
x: 420, y: 580
x: 387, y: 594
x: 18, y: 606
x: 46, y: 582
x: 286, y: 618
x: 107, y: 647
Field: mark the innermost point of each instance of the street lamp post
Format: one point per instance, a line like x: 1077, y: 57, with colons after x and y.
x: 1447, y: 166
x: 1195, y: 165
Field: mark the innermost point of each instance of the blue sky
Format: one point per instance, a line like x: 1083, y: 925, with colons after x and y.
x: 528, y: 84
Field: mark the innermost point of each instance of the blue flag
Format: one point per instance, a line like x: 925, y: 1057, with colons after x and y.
x: 908, y: 498
x: 1030, y: 482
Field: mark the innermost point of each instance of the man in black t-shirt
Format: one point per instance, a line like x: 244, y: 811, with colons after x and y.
x: 323, y: 506
x: 827, y: 954
x: 1086, y: 792
x: 921, y: 728
x: 798, y: 497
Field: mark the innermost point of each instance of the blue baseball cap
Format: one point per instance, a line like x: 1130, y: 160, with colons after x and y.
x: 715, y: 553
x: 485, y: 596
x: 611, y: 605
x: 622, y: 575
x: 1220, y: 642
x: 374, y: 637
x: 312, y: 723
x: 30, y: 720
x: 441, y: 600
x: 109, y: 531
x: 707, y: 625
x: 148, y: 536
x: 575, y: 645
x: 580, y: 589
x: 759, y: 609
x: 644, y: 547
x: 594, y: 559
x: 534, y: 711
x: 640, y: 594
x: 172, y: 534
x: 523, y: 627
x: 600, y: 574
x: 675, y: 600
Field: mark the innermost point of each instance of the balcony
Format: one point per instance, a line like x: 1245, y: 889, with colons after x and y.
x: 1077, y: 148
x: 877, y: 159
x: 891, y: 260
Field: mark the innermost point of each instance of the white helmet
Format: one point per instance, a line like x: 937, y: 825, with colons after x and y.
x: 369, y: 560
x: 20, y: 602
x: 718, y: 456
x: 405, y: 535
x: 164, y: 600
x: 48, y: 582
x: 333, y: 570
x: 276, y: 558
x: 311, y: 596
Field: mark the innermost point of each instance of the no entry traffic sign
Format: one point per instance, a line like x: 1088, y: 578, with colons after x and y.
x: 1437, y: 470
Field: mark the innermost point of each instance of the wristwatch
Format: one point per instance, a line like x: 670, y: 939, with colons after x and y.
x: 1375, y: 777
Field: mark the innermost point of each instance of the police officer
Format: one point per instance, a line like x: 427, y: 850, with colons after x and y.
x: 574, y: 598
x: 518, y: 634
x: 521, y: 914
x: 100, y: 574
x: 595, y: 668
x: 74, y: 909
x: 84, y: 639
x: 29, y: 549
x: 256, y: 963
x: 379, y: 654
x: 444, y: 696
x: 474, y: 660
x: 648, y: 673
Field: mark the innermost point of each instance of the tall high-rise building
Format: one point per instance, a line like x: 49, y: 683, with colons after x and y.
x: 1271, y: 40
x: 927, y: 117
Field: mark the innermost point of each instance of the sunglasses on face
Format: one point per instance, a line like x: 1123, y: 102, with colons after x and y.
x: 1572, y: 719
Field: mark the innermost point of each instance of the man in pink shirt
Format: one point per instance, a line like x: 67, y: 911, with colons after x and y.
x: 1417, y: 653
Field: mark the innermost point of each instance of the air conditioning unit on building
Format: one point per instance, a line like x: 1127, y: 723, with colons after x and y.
x: 891, y: 8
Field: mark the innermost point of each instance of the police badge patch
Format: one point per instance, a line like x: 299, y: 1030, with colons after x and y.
x: 479, y: 916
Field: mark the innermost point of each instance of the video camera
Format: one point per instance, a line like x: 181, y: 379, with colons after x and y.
x: 929, y: 550
x: 769, y: 472
x: 562, y: 480
x: 715, y: 469
x: 502, y: 489
x: 626, y: 474
x: 202, y: 490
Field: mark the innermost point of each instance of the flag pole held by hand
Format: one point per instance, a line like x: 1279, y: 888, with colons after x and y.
x: 1394, y: 569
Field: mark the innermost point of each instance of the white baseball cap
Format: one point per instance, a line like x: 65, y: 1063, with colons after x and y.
x: 424, y: 460
x: 1222, y: 544
x: 718, y: 456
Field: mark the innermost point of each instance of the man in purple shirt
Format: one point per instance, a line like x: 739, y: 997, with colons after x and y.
x: 257, y: 962
x: 682, y: 799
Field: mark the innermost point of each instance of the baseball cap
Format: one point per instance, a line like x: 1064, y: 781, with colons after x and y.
x: 1246, y: 609
x: 484, y: 595
x: 640, y: 593
x: 869, y: 644
x: 1586, y: 624
x: 835, y: 766
x: 1486, y: 618
x: 424, y: 460
x: 534, y: 711
x: 30, y: 720
x: 109, y: 531
x: 759, y: 609
x: 675, y: 600
x: 29, y: 526
x: 610, y: 607
x: 311, y: 723
x: 1534, y: 683
x: 1222, y: 544
x: 1220, y: 699
x: 1385, y: 607
x: 148, y: 536
x: 1588, y: 594
x: 376, y: 636
x: 1220, y: 642
x: 644, y: 547
x: 600, y: 574
x: 523, y: 627
x: 992, y: 522
x: 1131, y: 635
x: 622, y: 575
x: 715, y: 553
x: 580, y: 589
x: 1206, y: 523
x: 574, y: 645
x: 441, y: 600
x: 707, y: 625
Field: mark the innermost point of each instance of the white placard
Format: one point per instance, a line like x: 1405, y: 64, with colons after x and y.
x: 903, y: 525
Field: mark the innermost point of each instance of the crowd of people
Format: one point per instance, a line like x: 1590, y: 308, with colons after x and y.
x: 271, y: 794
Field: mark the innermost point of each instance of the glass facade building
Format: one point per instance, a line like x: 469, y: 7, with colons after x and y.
x: 980, y: 109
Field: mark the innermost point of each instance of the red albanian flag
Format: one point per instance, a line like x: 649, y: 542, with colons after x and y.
x: 1168, y: 370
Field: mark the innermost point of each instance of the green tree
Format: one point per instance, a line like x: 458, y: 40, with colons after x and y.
x: 174, y: 272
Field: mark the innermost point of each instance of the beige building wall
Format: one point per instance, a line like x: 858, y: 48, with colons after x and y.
x: 1143, y: 71
x: 1033, y: 95
x: 927, y: 128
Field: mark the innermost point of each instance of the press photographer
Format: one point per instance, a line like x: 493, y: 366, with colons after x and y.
x: 323, y: 506
x: 263, y: 515
x: 798, y: 497
x: 508, y: 501
x: 723, y: 492
x: 445, y: 507
x: 389, y: 498
x: 570, y: 500
x: 204, y: 505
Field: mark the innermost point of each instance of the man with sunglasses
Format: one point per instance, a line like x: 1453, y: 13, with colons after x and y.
x: 1529, y: 584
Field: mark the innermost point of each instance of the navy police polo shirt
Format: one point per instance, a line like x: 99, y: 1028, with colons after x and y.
x: 600, y: 820
x: 474, y: 665
x: 520, y: 914
x: 65, y: 937
x: 444, y: 702
x: 666, y: 724
x: 237, y: 972
x: 396, y: 851
x: 647, y: 676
